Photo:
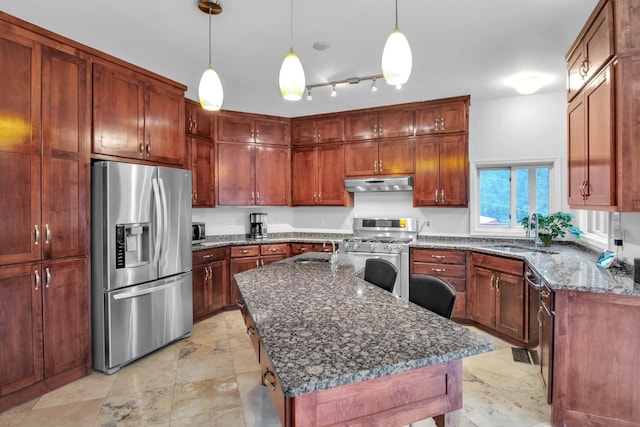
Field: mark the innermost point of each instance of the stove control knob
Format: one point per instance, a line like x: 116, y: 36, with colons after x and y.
x: 347, y: 246
x: 355, y: 246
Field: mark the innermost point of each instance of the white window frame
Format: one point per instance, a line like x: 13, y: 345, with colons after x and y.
x: 555, y: 185
x: 593, y: 238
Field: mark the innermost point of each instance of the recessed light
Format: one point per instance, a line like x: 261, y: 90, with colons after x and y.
x: 321, y: 46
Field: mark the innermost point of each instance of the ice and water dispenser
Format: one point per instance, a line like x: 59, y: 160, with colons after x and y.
x: 133, y: 246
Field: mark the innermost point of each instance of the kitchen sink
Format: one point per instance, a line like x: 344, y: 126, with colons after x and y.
x: 518, y: 249
x: 311, y: 260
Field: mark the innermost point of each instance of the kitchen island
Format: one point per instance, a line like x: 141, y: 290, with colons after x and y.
x: 335, y: 349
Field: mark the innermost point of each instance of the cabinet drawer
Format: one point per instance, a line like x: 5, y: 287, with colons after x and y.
x: 440, y: 256
x: 208, y: 255
x: 280, y: 248
x: 440, y: 270
x: 245, y: 251
x: 301, y: 248
x: 505, y: 265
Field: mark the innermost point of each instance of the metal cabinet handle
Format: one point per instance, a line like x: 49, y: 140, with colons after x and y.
x: 380, y: 133
x: 149, y: 148
x: 538, y: 314
x: 189, y: 125
x: 244, y: 251
x: 268, y: 374
x: 47, y: 234
x: 375, y: 130
x: 261, y: 262
x: 439, y: 270
x: 141, y: 148
x: 195, y: 126
x: 544, y: 294
x: 240, y: 303
x: 253, y: 197
x: 498, y: 283
x: 375, y: 166
x: 584, y: 69
x: 442, y: 124
x: 442, y: 195
x: 491, y: 281
x: 207, y: 256
x: 257, y: 135
x: 273, y: 249
x: 257, y: 263
x: 253, y: 136
x: 303, y: 249
x: 380, y: 165
x: 47, y: 277
x: 436, y: 195
x: 438, y: 256
x: 320, y: 196
x: 251, y: 331
x: 37, y: 235
x: 315, y: 199
x: 258, y: 196
x: 37, y: 277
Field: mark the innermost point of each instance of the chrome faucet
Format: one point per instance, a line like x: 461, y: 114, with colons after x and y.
x: 334, y: 252
x: 536, y: 238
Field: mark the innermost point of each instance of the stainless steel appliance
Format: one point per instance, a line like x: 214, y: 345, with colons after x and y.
x: 385, y: 238
x: 141, y: 260
x: 258, y: 225
x: 197, y: 232
x: 360, y: 185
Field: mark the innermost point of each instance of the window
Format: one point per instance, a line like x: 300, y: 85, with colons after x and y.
x: 595, y: 226
x: 508, y: 193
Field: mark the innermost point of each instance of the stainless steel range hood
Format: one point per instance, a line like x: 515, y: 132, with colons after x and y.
x: 360, y: 185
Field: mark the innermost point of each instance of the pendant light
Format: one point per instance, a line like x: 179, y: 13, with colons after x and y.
x: 292, y: 83
x: 396, y: 57
x: 210, y: 89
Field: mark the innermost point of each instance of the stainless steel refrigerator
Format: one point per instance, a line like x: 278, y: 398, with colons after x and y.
x: 141, y: 260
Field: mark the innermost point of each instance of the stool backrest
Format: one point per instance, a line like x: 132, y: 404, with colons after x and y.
x: 432, y: 293
x: 381, y: 273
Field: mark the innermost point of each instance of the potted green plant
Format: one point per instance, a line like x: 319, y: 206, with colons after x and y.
x: 552, y: 225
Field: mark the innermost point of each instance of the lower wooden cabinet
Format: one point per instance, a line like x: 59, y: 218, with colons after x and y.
x: 303, y: 248
x: 498, y: 295
x: 45, y: 336
x: 449, y: 265
x: 248, y: 257
x: 210, y: 281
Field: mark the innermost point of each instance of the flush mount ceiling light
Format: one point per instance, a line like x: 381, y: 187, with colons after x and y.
x: 396, y: 57
x: 210, y: 90
x: 528, y: 82
x: 292, y: 82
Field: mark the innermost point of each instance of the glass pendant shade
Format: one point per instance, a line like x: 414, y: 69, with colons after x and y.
x: 396, y: 59
x: 210, y: 90
x: 292, y: 82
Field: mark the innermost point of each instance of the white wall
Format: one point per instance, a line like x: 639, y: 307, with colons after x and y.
x: 524, y: 127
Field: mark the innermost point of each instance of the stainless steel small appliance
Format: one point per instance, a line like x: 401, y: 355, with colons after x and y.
x: 258, y: 225
x: 385, y: 238
x: 197, y: 232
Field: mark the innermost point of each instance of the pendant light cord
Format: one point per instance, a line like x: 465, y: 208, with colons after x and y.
x: 396, y: 14
x: 210, y: 36
x: 291, y: 28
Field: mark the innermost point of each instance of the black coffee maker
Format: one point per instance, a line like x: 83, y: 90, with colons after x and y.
x: 258, y: 225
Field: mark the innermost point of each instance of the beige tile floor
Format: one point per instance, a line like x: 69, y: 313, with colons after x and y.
x: 211, y: 379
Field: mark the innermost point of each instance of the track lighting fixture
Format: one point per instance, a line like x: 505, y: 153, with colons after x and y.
x: 334, y: 92
x: 350, y: 80
x: 373, y: 86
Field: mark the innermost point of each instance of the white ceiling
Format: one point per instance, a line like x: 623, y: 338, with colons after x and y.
x: 459, y: 47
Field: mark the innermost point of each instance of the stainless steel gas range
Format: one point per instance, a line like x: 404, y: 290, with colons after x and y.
x: 386, y: 238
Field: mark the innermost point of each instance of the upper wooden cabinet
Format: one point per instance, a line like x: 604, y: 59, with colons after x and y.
x: 137, y: 117
x: 442, y: 171
x: 381, y: 124
x: 591, y: 51
x: 450, y: 117
x: 242, y: 127
x: 318, y: 176
x: 389, y: 157
x: 317, y: 131
x: 198, y: 121
x: 203, y: 161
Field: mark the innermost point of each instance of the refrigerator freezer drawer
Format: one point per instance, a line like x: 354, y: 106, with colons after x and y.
x: 143, y: 318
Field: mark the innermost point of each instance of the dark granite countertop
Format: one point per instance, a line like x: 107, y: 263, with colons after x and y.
x: 323, y: 327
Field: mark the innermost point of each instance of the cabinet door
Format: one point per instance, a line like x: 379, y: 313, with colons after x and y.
x: 362, y: 126
x: 19, y: 151
x: 200, y: 286
x: 426, y: 182
x: 66, y: 315
x: 65, y: 149
x: 118, y: 113
x: 395, y: 157
x: 576, y: 72
x: 395, y: 123
x: 330, y: 130
x: 198, y: 121
x: 577, y: 151
x: 453, y: 118
x: 20, y: 327
x: 219, y: 278
x: 509, y: 292
x: 454, y: 170
x: 272, y: 172
x: 483, y: 303
x: 361, y: 159
x: 427, y: 119
x: 203, y: 172
x: 238, y: 265
x: 303, y: 176
x: 271, y: 132
x: 330, y: 170
x: 163, y: 124
x: 235, y: 174
x: 598, y: 41
x: 234, y: 127
x: 303, y: 132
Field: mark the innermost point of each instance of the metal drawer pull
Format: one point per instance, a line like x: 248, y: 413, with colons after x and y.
x: 48, y: 277
x: 207, y: 256
x: 498, y: 283
x: 47, y: 234
x: 240, y: 303
x: 251, y: 331
x: 274, y: 249
x: 436, y: 195
x: 491, y: 281
x: 269, y: 374
x: 544, y: 294
x: 37, y: 240
x: 244, y: 251
x: 37, y: 276
x: 439, y: 270
x: 438, y: 256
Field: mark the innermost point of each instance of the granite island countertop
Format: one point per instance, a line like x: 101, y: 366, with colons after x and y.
x: 323, y: 327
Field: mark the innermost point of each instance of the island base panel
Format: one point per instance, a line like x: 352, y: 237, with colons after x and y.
x: 397, y: 399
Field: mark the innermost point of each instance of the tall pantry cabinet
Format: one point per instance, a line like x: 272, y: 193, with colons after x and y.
x: 44, y: 158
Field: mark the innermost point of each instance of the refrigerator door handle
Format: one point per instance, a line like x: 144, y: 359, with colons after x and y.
x: 165, y: 218
x: 159, y: 229
x: 133, y: 294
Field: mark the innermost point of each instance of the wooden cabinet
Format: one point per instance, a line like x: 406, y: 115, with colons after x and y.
x: 592, y: 50
x: 210, y: 281
x: 251, y: 174
x: 317, y: 131
x: 449, y: 117
x: 389, y: 157
x: 245, y: 128
x: 198, y: 121
x: 318, y: 176
x: 449, y: 265
x: 137, y: 117
x: 392, y: 123
x: 44, y: 323
x: 591, y: 139
x: 545, y: 317
x: 202, y: 152
x: 498, y: 295
x: 248, y: 257
x: 442, y: 171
